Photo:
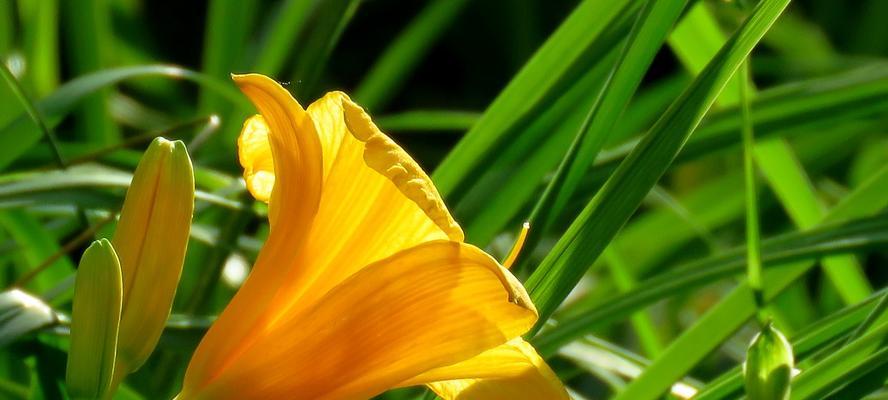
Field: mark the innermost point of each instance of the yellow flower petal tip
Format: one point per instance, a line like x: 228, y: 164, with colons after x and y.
x: 95, y: 321
x: 150, y: 239
x: 364, y: 282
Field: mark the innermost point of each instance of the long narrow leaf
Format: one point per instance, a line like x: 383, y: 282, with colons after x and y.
x: 621, y: 195
x: 776, y: 252
x: 653, y: 25
x: 527, y: 89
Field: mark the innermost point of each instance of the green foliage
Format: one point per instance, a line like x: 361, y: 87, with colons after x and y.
x: 621, y: 129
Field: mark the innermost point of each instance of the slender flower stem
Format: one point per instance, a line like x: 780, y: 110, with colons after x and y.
x: 753, y: 254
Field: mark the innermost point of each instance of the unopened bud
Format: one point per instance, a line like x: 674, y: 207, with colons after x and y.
x: 768, y: 366
x: 151, y: 239
x: 95, y: 319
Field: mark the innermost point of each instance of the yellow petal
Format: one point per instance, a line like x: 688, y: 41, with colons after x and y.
x: 375, y: 202
x: 375, y: 199
x: 290, y: 135
x: 326, y: 113
x: 338, y: 120
x: 294, y: 145
x: 254, y: 154
x: 388, y: 159
x: 513, y: 371
x: 427, y: 307
x: 150, y: 240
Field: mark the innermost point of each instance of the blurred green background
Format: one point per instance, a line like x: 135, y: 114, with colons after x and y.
x: 90, y: 82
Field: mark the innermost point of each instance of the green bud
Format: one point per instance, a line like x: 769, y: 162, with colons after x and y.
x: 768, y: 366
x: 95, y: 320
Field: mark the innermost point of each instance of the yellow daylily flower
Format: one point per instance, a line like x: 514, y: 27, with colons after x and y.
x: 364, y: 283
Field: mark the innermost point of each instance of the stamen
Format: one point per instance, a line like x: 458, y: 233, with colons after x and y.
x: 516, y: 248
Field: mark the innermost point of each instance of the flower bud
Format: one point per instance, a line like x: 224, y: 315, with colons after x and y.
x: 768, y: 366
x: 95, y: 319
x: 150, y: 239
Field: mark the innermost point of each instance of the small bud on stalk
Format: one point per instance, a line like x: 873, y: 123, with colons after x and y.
x: 768, y: 366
